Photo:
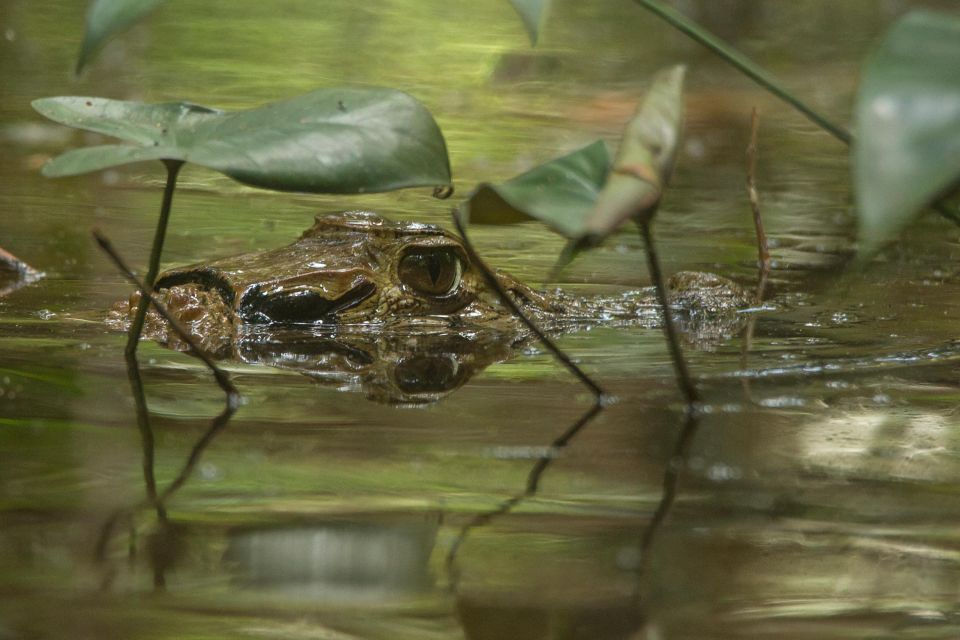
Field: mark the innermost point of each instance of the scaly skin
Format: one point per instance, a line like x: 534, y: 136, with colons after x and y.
x: 348, y: 271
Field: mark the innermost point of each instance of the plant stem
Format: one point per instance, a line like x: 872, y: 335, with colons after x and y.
x: 505, y: 298
x: 684, y: 380
x: 746, y: 66
x: 136, y: 328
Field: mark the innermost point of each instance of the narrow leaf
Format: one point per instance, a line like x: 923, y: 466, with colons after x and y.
x: 107, y: 18
x: 907, y: 149
x: 558, y: 193
x: 744, y: 64
x: 531, y: 12
x: 645, y: 159
x: 328, y: 141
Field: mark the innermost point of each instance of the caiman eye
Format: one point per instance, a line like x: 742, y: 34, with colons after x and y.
x: 433, y: 271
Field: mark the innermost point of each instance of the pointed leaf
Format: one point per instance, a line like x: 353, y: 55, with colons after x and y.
x: 907, y: 150
x: 531, y: 12
x: 328, y: 141
x: 645, y: 159
x: 107, y: 18
x: 558, y: 193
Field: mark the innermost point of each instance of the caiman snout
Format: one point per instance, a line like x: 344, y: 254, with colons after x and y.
x: 301, y: 303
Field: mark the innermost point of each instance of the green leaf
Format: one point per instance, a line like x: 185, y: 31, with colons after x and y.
x: 328, y: 141
x: 644, y: 161
x: 107, y: 18
x: 558, y: 193
x: 531, y: 12
x: 907, y: 149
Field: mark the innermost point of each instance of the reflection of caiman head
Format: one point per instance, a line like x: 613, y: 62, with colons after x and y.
x: 408, y: 368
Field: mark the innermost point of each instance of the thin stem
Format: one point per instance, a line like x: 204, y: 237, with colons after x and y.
x: 146, y: 292
x: 136, y: 328
x: 746, y: 66
x: 505, y: 298
x: 684, y: 380
x: 763, y: 247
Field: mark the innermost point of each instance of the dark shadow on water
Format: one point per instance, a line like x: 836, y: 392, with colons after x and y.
x: 530, y: 490
x: 616, y: 620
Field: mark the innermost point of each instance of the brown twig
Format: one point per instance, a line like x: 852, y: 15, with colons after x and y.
x: 763, y: 246
x: 221, y: 376
x: 233, y: 400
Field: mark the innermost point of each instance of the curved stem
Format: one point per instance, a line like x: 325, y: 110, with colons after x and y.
x: 684, y: 380
x: 494, y: 284
x: 746, y: 66
x: 136, y: 328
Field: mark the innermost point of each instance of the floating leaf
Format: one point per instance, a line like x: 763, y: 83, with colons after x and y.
x: 328, y: 141
x: 645, y: 159
x: 907, y: 150
x: 107, y: 18
x: 558, y: 193
x: 531, y: 12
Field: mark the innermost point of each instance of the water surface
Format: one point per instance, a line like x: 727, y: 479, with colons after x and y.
x: 819, y: 492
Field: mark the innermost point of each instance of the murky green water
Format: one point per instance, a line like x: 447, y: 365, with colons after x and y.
x: 820, y: 495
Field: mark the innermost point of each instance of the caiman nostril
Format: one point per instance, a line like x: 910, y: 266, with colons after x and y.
x: 299, y: 305
x: 355, y: 296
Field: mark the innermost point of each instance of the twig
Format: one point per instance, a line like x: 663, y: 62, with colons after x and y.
x: 687, y: 387
x: 763, y: 247
x: 599, y: 394
x: 233, y: 400
x: 146, y: 292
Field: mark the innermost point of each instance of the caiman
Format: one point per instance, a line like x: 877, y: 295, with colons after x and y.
x: 356, y: 274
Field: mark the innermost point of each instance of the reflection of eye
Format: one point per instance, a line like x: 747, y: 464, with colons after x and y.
x: 427, y: 374
x: 434, y: 271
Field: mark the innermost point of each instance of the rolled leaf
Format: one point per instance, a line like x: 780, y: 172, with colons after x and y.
x: 329, y: 141
x: 107, y: 18
x: 531, y: 12
x: 907, y: 149
x: 645, y: 159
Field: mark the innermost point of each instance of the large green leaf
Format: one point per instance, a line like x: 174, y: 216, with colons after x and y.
x: 907, y: 149
x: 558, y: 193
x: 107, y: 18
x: 531, y: 12
x: 328, y: 141
x: 645, y: 159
